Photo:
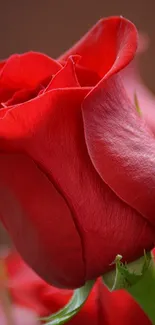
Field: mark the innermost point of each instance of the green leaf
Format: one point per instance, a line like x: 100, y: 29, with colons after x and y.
x: 72, y: 308
x: 125, y: 276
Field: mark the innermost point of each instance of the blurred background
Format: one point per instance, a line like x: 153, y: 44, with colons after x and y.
x: 51, y: 26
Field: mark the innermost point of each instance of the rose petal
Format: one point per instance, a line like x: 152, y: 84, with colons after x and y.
x: 66, y: 77
x: 27, y: 70
x: 20, y: 96
x: 86, y: 77
x: 28, y: 199
x: 112, y: 39
x: 120, y: 146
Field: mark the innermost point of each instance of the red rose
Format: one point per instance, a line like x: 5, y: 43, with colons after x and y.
x: 77, y: 163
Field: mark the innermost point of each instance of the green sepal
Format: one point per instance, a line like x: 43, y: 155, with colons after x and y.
x: 126, y: 275
x: 72, y: 308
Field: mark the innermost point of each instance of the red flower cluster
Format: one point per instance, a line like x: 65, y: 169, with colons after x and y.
x: 77, y: 164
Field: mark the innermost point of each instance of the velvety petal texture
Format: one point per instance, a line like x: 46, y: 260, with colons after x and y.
x: 27, y: 196
x: 120, y: 146
x: 95, y: 209
x: 76, y: 161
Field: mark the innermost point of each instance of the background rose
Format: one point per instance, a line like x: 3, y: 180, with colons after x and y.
x: 76, y: 164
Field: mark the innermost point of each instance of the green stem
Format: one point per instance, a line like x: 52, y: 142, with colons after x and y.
x: 144, y: 291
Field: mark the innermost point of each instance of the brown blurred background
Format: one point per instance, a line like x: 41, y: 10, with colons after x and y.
x: 51, y: 26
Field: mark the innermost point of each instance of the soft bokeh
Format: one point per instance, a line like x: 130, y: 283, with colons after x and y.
x: 20, y: 316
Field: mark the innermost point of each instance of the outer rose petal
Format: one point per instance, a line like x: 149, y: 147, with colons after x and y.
x: 56, y: 143
x: 39, y: 221
x: 120, y: 146
x: 111, y: 40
